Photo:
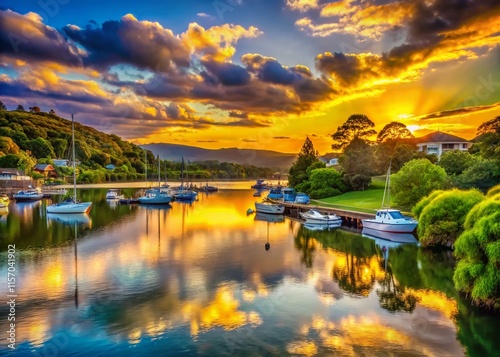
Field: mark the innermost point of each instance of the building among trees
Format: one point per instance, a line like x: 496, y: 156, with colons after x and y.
x: 438, y: 142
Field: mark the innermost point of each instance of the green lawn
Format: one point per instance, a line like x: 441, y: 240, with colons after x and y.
x: 362, y: 201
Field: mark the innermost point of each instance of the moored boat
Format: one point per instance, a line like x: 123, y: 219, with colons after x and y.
x: 31, y: 194
x: 315, y: 217
x: 114, y: 194
x: 270, y: 208
x: 275, y: 194
x: 155, y: 196
x: 289, y: 194
x: 260, y: 185
x: 302, y: 198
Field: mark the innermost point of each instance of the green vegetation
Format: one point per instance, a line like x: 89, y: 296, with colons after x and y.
x: 325, y: 182
x: 478, y: 253
x: 416, y: 179
x: 441, y: 220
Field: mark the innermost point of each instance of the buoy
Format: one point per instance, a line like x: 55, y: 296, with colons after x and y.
x: 267, y: 246
x: 249, y: 211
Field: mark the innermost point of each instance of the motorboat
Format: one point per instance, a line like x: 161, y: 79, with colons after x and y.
x: 302, y: 198
x: 289, y: 194
x: 388, y: 219
x: 209, y: 188
x: 391, y: 220
x: 260, y: 184
x: 275, y: 194
x: 155, y: 196
x: 31, y: 194
x: 113, y: 194
x: 314, y: 217
x: 270, y: 208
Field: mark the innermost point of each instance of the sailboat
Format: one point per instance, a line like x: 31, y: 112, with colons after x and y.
x: 157, y: 196
x: 182, y: 193
x: 388, y: 219
x: 71, y: 205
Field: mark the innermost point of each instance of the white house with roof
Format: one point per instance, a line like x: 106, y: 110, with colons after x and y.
x: 13, y: 174
x: 439, y: 142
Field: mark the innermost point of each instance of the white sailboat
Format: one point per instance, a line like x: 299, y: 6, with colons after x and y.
x: 388, y: 219
x: 157, y: 196
x: 71, y: 205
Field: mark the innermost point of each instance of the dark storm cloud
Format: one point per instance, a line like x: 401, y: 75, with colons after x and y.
x: 227, y: 74
x: 26, y: 37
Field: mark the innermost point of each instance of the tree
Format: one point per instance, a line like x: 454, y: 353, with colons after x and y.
x: 52, y: 112
x: 394, y: 131
x: 455, y: 162
x: 491, y: 126
x: 35, y: 109
x: 478, y: 253
x: 395, y: 152
x: 325, y: 182
x: 20, y: 108
x: 2, y: 106
x: 357, y: 126
x: 8, y: 146
x: 41, y: 148
x: 483, y: 174
x: 357, y: 164
x: 60, y: 146
x: 441, y: 221
x: 416, y: 179
x: 306, y: 158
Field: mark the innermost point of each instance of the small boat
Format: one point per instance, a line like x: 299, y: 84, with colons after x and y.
x: 302, y: 198
x: 275, y: 193
x: 155, y: 196
x: 270, y: 208
x: 388, y: 219
x: 260, y: 185
x: 289, y: 194
x: 114, y: 194
x: 31, y: 194
x: 209, y: 188
x: 256, y: 194
x: 183, y: 193
x: 71, y: 205
x: 128, y: 201
x: 4, y: 201
x: 314, y: 217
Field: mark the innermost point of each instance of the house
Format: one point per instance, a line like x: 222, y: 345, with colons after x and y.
x: 438, y: 142
x: 110, y: 167
x: 13, y: 174
x: 330, y: 159
x: 46, y: 170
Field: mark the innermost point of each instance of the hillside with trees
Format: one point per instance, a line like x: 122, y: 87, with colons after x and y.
x: 31, y: 137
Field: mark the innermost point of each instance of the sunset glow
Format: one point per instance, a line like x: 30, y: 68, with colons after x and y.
x: 253, y: 74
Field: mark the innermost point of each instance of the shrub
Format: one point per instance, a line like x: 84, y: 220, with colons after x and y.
x: 419, y: 207
x: 441, y: 221
x: 493, y: 191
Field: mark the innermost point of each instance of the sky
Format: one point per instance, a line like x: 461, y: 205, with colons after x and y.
x: 249, y: 74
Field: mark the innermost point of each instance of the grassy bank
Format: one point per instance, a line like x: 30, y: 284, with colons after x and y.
x: 363, y: 201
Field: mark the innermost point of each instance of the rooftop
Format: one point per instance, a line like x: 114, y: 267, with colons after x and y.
x: 440, y: 137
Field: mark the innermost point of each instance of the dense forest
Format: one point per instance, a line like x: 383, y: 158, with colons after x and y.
x: 31, y: 137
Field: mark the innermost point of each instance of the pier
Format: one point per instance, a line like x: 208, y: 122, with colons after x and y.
x: 349, y: 218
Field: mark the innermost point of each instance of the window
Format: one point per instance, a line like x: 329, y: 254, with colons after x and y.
x: 464, y: 146
x: 396, y: 215
x: 448, y: 146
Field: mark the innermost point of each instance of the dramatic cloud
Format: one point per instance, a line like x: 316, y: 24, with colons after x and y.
x: 302, y: 5
x: 460, y: 111
x: 26, y: 37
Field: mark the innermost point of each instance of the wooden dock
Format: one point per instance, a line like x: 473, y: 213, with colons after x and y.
x: 349, y: 218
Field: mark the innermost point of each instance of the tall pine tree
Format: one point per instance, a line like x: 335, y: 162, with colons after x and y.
x: 307, y: 157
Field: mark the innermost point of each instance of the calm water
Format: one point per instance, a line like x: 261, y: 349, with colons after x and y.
x: 196, y: 280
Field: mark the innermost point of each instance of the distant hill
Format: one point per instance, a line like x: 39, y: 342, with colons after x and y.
x: 260, y: 158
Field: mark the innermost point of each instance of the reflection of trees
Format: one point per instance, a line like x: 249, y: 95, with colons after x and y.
x: 355, y: 276
x: 393, y: 297
x: 306, y: 244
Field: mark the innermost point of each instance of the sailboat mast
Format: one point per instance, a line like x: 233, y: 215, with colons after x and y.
x: 74, y: 156
x: 158, y: 157
x: 146, y: 166
x: 182, y: 173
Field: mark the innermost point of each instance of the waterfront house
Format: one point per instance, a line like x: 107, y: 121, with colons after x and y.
x: 438, y: 142
x: 46, y: 170
x: 13, y: 174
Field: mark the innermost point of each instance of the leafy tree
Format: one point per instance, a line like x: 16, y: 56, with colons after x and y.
x: 41, y: 148
x: 60, y: 146
x: 419, y: 207
x: 416, y: 179
x: 20, y: 108
x: 396, y: 152
x: 394, y: 131
x: 9, y: 161
x: 52, y: 112
x: 325, y: 182
x: 100, y: 158
x: 306, y: 158
x: 441, y: 221
x: 8, y: 146
x: 491, y: 126
x: 35, y: 109
x: 455, y: 162
x: 478, y: 253
x: 495, y: 190
x: 357, y: 126
x: 483, y: 174
x: 357, y: 163
x: 2, y: 106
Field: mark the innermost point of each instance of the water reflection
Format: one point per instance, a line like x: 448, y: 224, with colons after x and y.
x: 193, y: 279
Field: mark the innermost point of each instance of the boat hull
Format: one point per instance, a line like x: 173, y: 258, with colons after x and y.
x: 70, y: 208
x: 27, y: 198
x: 269, y: 208
x: 389, y: 227
x: 155, y: 200
x: 384, y: 237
